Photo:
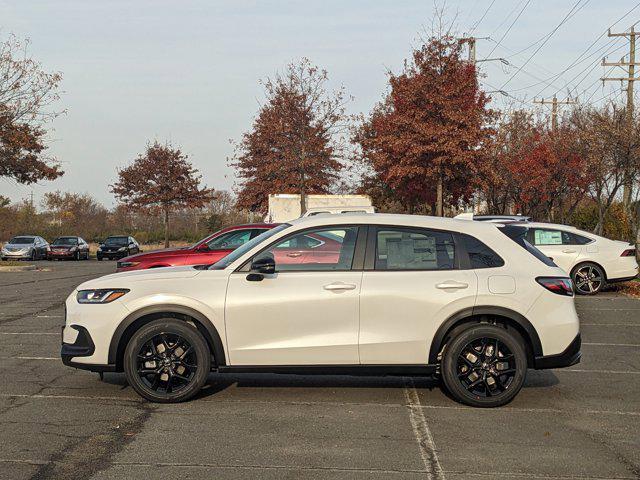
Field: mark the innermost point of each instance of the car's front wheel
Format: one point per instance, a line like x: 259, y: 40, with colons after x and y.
x: 167, y: 361
x: 484, y: 365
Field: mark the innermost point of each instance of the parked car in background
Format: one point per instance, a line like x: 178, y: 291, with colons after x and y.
x: 68, y: 247
x: 390, y: 294
x: 207, y: 251
x: 117, y: 246
x: 29, y: 247
x: 592, y: 261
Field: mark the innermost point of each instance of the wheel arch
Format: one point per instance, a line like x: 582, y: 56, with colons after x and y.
x: 137, y: 319
x: 481, y: 314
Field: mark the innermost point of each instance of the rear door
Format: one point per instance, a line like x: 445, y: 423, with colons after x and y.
x: 557, y: 245
x: 412, y: 282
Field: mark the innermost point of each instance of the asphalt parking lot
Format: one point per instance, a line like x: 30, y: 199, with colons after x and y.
x: 60, y: 423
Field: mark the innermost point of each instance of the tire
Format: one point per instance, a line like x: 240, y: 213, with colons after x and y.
x: 588, y: 279
x: 76, y: 256
x: 474, y: 382
x: 32, y: 257
x: 166, y: 384
x: 99, y: 258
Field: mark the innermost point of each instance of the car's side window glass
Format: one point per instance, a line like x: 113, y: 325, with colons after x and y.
x: 230, y: 240
x: 257, y: 231
x: 579, y: 239
x: 480, y: 255
x: 412, y: 249
x: 321, y: 249
x: 547, y: 237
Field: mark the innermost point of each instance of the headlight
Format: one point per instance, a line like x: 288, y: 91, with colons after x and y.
x: 103, y: 295
x: 122, y: 249
x: 73, y: 249
x: 100, y: 248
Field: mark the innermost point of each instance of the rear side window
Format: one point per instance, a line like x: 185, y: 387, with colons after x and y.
x: 579, y: 239
x: 480, y: 255
x: 414, y: 249
x: 519, y: 235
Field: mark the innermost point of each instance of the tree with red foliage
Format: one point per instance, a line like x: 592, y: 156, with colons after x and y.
x: 26, y: 95
x: 163, y: 179
x: 424, y: 139
x: 294, y: 145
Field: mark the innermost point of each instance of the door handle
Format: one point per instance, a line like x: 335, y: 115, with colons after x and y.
x: 568, y: 250
x: 294, y: 255
x: 450, y: 284
x: 339, y: 286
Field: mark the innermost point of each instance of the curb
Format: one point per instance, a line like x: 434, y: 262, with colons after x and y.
x: 20, y: 268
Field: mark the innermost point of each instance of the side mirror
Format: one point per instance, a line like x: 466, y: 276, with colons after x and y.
x: 264, y: 264
x: 203, y: 247
x: 261, y: 266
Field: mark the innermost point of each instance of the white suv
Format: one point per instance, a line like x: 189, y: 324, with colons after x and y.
x: 590, y: 260
x: 472, y: 302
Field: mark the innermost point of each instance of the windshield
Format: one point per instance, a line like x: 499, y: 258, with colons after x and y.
x: 22, y: 240
x: 116, y: 241
x: 519, y: 235
x: 65, y: 241
x: 237, y: 253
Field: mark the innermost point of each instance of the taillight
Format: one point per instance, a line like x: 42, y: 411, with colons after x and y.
x: 630, y: 252
x: 559, y: 285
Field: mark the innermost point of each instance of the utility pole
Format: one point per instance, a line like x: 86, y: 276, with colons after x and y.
x: 554, y: 108
x: 471, y: 41
x: 630, y: 79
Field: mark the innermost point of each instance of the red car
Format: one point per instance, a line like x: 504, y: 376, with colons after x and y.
x: 205, y: 252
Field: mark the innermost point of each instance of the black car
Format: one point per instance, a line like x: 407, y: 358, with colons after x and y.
x: 68, y: 247
x: 118, y: 246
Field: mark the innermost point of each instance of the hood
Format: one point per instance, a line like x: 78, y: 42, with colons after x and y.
x: 123, y: 279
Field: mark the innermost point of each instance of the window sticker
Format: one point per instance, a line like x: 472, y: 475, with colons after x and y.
x: 548, y: 237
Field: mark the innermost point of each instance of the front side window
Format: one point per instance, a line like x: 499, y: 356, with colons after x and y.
x: 321, y: 249
x: 240, y: 251
x: 410, y: 249
x: 230, y: 240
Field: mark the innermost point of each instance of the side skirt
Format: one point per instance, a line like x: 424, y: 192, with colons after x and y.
x: 355, y: 370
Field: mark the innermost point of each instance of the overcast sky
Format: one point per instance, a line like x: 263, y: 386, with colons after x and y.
x: 189, y: 71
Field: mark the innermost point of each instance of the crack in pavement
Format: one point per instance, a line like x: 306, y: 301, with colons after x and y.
x: 86, y: 456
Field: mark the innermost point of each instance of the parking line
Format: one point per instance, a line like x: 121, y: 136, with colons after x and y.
x: 612, y: 344
x: 30, y: 333
x: 422, y: 432
x: 610, y: 324
x: 621, y: 372
x: 31, y: 358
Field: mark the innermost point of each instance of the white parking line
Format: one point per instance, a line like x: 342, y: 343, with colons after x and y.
x: 610, y: 324
x: 31, y: 358
x: 422, y: 432
x: 622, y: 372
x: 612, y: 344
x: 30, y: 333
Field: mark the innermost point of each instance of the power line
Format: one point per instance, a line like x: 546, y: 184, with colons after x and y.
x: 509, y: 29
x: 562, y: 22
x: 475, y: 25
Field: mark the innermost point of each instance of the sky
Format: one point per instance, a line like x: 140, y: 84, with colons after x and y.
x: 188, y: 71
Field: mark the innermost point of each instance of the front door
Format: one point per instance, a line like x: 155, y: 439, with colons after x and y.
x: 410, y: 286
x: 304, y: 314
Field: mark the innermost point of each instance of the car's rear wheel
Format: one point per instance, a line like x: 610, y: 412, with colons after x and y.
x: 484, y: 365
x: 167, y: 361
x: 588, y: 279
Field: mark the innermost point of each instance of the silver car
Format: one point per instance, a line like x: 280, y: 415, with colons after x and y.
x: 25, y: 246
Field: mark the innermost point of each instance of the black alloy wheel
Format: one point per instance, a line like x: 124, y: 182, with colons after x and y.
x: 167, y: 361
x: 484, y: 365
x: 588, y: 279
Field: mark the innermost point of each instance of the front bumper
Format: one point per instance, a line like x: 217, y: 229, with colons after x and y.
x: 111, y: 255
x: 570, y: 356
x: 66, y: 254
x: 83, y: 346
x: 16, y: 255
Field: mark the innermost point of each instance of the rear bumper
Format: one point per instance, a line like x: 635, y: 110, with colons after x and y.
x: 570, y: 356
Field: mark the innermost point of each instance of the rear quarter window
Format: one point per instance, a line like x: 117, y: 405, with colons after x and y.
x: 519, y: 235
x: 480, y: 255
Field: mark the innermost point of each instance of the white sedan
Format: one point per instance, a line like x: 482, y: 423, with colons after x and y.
x: 590, y: 260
